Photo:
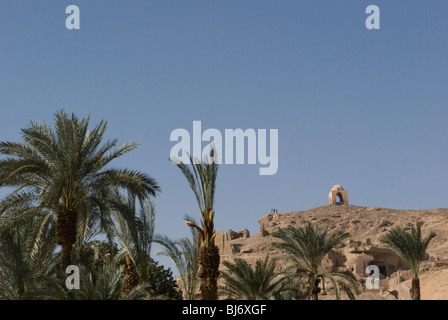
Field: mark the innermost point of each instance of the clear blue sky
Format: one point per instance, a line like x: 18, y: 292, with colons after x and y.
x: 366, y: 109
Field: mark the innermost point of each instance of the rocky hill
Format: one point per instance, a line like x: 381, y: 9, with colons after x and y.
x: 365, y: 225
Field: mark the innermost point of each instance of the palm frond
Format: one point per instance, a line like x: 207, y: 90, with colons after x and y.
x: 201, y: 177
x: 65, y: 168
x: 408, y: 245
x: 260, y: 282
x: 305, y: 249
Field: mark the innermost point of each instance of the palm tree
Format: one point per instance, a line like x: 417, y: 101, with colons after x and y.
x: 65, y: 170
x: 202, y: 180
x: 135, y: 233
x: 102, y: 279
x: 305, y: 248
x: 261, y: 283
x: 411, y: 248
x: 185, y: 255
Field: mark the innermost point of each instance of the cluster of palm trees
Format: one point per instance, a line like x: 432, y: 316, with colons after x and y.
x: 63, y: 194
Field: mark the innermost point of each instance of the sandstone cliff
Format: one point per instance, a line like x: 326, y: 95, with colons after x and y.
x: 365, y: 225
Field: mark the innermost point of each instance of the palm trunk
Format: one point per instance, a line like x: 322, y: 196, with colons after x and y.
x: 209, y: 260
x: 66, y: 234
x: 130, y: 280
x: 415, y: 288
x: 314, y: 287
x: 66, y: 256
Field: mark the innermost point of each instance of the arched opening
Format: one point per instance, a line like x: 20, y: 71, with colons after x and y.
x: 339, y: 198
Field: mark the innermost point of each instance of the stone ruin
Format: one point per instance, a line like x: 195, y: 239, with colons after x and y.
x: 222, y: 240
x: 338, y: 196
x: 357, y: 256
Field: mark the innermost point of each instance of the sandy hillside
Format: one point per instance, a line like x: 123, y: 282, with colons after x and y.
x: 365, y: 225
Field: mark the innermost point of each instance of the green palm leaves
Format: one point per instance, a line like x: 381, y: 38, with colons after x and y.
x: 185, y: 255
x: 202, y: 180
x: 259, y: 283
x: 411, y: 248
x: 409, y: 245
x: 305, y: 248
x: 65, y: 170
x: 25, y: 273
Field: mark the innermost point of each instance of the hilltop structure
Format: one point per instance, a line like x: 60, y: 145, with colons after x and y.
x: 338, y: 196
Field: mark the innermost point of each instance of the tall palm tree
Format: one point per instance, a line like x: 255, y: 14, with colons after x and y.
x: 202, y: 180
x: 259, y: 283
x: 411, y: 248
x: 185, y: 255
x: 305, y: 248
x: 65, y: 170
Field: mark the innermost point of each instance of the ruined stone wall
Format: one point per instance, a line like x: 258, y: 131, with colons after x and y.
x: 223, y: 240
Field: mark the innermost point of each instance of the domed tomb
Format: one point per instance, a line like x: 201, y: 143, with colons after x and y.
x: 338, y: 196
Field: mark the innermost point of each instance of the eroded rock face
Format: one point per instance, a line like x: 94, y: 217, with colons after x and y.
x: 365, y: 225
x: 222, y: 240
x: 232, y: 235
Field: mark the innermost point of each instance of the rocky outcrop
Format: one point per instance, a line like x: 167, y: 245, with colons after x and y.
x: 365, y: 225
x: 222, y: 240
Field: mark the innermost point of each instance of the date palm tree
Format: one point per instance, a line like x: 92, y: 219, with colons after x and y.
x: 185, y: 255
x: 65, y: 170
x: 306, y: 248
x: 411, y: 248
x: 259, y: 283
x: 201, y: 177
